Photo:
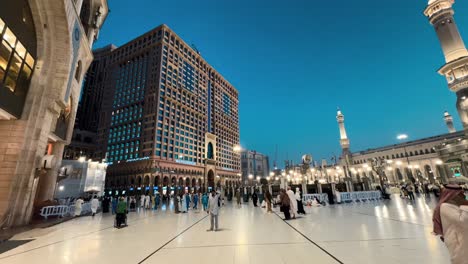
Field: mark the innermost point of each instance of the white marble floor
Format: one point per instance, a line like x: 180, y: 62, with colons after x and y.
x: 379, y: 232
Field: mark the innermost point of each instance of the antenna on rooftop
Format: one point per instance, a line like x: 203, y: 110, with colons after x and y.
x: 195, y: 49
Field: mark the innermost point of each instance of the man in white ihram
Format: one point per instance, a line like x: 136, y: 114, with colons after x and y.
x: 293, y: 205
x: 213, y: 210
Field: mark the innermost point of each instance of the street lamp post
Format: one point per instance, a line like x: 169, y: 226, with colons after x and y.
x: 402, y: 137
x: 378, y: 165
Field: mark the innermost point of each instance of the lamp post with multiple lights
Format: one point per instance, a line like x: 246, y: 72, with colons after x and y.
x: 403, y: 137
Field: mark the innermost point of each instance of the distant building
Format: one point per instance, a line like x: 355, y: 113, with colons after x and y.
x: 412, y: 161
x: 80, y: 177
x: 167, y: 117
x: 95, y: 85
x: 255, y: 164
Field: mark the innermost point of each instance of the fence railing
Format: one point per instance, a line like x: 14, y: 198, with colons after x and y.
x: 360, y: 196
x: 56, y: 210
x: 345, y: 196
x: 323, y: 197
x: 63, y: 210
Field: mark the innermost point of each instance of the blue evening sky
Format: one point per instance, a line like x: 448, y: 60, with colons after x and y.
x: 295, y: 61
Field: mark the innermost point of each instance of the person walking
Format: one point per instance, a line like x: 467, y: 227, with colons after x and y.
x: 300, y: 206
x: 121, y: 212
x: 183, y: 201
x: 338, y: 195
x: 157, y: 200
x: 195, y: 201
x: 268, y: 199
x: 105, y: 204
x: 205, y: 201
x: 176, y: 203
x: 254, y: 198
x: 293, y: 203
x: 114, y: 204
x: 187, y: 201
x: 238, y: 197
x: 450, y: 221
x: 94, y: 205
x: 285, y: 204
x: 142, y: 201
x: 78, y: 206
x: 410, y: 190
x: 147, y: 201
x: 213, y: 211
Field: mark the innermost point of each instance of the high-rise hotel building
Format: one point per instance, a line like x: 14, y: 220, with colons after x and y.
x: 169, y: 118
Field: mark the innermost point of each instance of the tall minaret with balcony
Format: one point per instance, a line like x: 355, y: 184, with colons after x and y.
x: 344, y: 141
x: 449, y: 122
x: 440, y: 14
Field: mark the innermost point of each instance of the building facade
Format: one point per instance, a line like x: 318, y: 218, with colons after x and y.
x: 44, y: 51
x: 84, y: 139
x: 255, y: 164
x: 454, y: 153
x: 168, y: 118
x: 411, y: 161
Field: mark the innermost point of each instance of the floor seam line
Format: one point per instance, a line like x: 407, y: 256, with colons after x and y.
x: 364, y: 240
x: 165, y: 244
x: 234, y: 245
x: 310, y: 240
x: 391, y: 219
x: 61, y: 241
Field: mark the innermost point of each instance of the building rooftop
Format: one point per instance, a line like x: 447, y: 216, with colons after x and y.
x: 447, y: 136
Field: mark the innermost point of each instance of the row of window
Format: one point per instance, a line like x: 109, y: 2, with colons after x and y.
x: 401, y: 155
x: 131, y: 81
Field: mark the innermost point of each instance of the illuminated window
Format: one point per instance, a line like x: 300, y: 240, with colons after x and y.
x: 16, y: 63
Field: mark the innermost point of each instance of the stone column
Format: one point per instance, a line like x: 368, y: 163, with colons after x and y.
x: 47, y: 182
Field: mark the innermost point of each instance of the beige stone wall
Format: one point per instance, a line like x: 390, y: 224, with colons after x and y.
x: 23, y: 142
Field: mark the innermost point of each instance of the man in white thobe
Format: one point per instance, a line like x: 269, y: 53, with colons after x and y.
x: 455, y: 225
x: 94, y: 205
x: 147, y: 202
x: 293, y: 206
x: 78, y: 205
x: 213, y: 210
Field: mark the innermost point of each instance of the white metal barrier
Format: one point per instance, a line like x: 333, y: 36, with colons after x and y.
x: 323, y: 197
x: 360, y: 196
x: 56, y: 210
x: 63, y: 210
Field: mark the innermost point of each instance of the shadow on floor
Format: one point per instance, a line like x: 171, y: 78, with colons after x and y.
x: 11, y: 244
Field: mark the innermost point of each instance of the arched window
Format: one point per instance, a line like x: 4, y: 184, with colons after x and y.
x: 210, y: 151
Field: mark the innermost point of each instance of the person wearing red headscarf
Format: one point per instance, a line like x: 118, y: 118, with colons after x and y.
x: 450, y: 221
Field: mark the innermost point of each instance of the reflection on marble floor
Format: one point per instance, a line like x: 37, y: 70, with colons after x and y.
x: 395, y: 231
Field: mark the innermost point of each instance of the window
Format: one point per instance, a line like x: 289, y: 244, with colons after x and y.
x: 16, y: 63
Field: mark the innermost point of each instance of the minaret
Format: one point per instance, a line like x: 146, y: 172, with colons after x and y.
x: 440, y: 14
x: 344, y: 141
x: 449, y: 121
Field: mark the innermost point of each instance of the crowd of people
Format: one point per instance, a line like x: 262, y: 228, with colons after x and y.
x: 450, y: 217
x: 290, y: 203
